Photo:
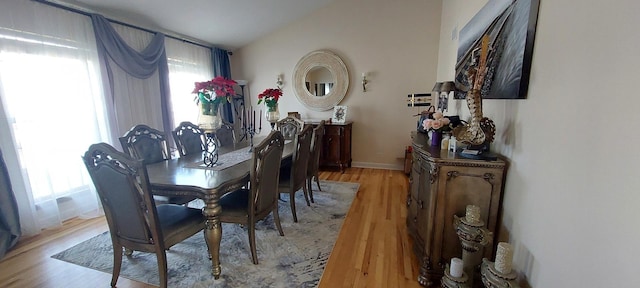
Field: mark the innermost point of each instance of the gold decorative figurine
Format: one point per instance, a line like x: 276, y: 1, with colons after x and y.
x: 479, y: 133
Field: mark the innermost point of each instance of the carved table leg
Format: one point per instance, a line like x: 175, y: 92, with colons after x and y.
x: 213, y: 233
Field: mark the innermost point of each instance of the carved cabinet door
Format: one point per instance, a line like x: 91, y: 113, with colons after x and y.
x: 332, y: 145
x: 459, y: 187
x: 425, y: 207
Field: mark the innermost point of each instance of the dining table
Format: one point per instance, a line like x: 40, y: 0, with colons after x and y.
x: 188, y: 176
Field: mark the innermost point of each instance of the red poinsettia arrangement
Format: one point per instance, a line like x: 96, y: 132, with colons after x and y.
x: 213, y: 92
x: 217, y: 87
x: 270, y: 97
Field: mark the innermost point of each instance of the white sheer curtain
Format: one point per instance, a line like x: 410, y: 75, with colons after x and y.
x: 137, y: 101
x: 52, y: 105
x: 188, y: 63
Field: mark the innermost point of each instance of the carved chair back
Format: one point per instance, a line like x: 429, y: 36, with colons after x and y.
x: 146, y: 143
x: 314, y: 158
x: 265, y: 174
x: 290, y: 127
x: 123, y: 187
x: 226, y: 135
x: 316, y: 146
x: 189, y: 138
x: 300, y: 159
x: 135, y: 222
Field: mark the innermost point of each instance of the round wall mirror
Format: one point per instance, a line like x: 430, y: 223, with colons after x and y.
x: 320, y: 80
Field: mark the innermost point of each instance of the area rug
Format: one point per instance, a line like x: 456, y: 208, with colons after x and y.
x: 294, y: 260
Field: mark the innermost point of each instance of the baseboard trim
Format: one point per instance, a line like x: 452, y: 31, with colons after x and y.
x: 377, y: 165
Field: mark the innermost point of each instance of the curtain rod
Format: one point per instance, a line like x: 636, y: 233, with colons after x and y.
x: 57, y: 5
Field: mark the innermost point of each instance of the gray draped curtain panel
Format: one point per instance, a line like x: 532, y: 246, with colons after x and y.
x: 138, y: 64
x: 222, y: 67
x: 9, y: 219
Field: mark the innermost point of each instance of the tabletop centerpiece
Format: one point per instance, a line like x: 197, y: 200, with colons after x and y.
x: 209, y: 95
x: 437, y: 124
x: 270, y: 97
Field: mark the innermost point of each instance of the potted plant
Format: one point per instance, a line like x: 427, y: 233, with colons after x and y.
x: 209, y: 95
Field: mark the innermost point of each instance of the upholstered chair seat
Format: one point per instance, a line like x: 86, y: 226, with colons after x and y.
x: 235, y: 204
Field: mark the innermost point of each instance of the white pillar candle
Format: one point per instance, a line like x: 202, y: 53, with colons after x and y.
x: 472, y: 214
x: 455, y: 270
x: 504, y: 258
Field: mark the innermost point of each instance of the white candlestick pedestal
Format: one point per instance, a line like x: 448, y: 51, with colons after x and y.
x: 472, y: 214
x: 456, y: 267
x: 504, y: 258
x: 493, y: 278
x: 449, y: 281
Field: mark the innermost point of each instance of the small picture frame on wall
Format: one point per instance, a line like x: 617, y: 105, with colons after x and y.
x: 339, y: 114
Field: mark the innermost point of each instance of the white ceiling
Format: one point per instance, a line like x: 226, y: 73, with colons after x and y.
x: 229, y: 24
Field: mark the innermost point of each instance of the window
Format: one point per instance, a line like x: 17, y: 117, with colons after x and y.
x: 52, y: 100
x: 188, y: 63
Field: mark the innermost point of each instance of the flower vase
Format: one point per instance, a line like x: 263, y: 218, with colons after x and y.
x: 436, y: 138
x: 209, y: 117
x: 272, y: 114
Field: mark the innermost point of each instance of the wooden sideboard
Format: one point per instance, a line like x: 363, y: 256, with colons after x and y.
x: 336, y: 145
x: 442, y: 184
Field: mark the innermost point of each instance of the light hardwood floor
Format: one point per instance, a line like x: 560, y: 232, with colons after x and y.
x: 372, y: 250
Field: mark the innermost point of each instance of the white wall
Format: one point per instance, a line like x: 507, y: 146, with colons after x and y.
x: 572, y: 193
x: 396, y: 42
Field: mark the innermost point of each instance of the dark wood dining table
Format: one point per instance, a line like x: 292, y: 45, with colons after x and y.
x: 184, y: 177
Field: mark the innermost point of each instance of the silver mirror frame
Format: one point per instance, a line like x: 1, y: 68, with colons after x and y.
x: 331, y: 61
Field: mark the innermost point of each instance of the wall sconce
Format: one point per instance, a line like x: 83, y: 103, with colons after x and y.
x: 279, y: 81
x: 364, y: 82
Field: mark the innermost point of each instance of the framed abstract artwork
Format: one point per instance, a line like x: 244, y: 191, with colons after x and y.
x: 511, y: 28
x: 339, y: 114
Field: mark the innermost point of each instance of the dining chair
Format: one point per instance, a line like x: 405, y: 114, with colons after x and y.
x: 135, y: 222
x: 189, y: 138
x: 146, y: 143
x: 289, y: 127
x: 225, y: 135
x: 247, y: 206
x: 293, y: 176
x: 150, y: 145
x: 314, y: 158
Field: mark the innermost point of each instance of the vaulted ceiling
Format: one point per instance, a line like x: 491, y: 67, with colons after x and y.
x: 228, y: 24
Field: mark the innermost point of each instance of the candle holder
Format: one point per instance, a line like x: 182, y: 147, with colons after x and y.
x: 473, y: 237
x: 449, y: 281
x: 251, y: 130
x: 249, y: 126
x: 492, y: 278
x: 210, y: 153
